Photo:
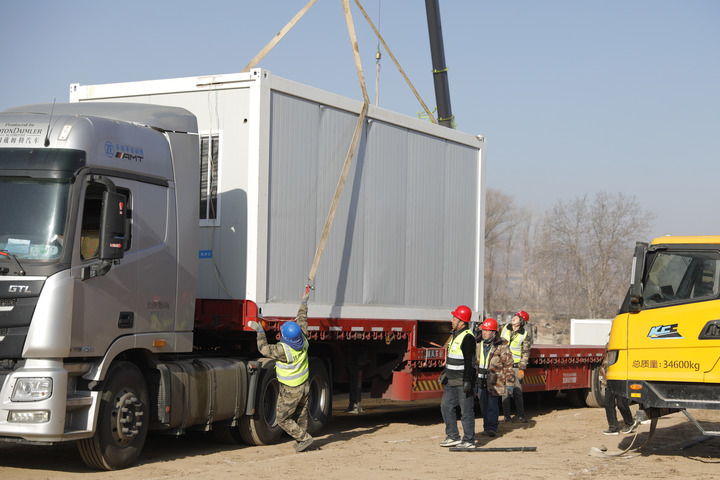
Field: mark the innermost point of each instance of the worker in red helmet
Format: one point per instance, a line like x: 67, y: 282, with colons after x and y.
x: 495, y: 374
x: 292, y: 368
x: 519, y: 341
x: 458, y: 381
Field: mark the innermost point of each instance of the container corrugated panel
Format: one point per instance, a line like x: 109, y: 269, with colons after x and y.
x: 404, y: 234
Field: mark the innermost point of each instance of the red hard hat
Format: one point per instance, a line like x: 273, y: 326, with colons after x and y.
x: 489, y: 324
x: 524, y: 315
x: 463, y: 313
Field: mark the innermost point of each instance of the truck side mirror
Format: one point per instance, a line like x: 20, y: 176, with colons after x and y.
x: 636, y: 285
x: 112, y: 226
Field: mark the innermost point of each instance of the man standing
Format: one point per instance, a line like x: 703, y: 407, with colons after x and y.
x: 495, y: 374
x: 519, y: 342
x: 292, y: 368
x: 611, y: 400
x: 457, y: 380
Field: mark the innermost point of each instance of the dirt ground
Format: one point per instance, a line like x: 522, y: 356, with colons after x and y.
x: 399, y: 441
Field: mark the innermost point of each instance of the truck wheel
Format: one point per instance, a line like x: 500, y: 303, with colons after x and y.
x: 261, y: 428
x: 320, y: 402
x: 595, y: 395
x: 122, y: 422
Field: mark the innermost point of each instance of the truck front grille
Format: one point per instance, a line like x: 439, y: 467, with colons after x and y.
x: 9, y: 303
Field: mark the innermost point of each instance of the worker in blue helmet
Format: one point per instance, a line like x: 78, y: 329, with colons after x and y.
x: 292, y: 367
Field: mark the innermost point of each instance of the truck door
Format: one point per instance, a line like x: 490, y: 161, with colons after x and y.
x: 105, y: 292
x: 679, y: 301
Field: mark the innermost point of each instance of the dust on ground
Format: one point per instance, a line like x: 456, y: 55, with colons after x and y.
x: 392, y: 440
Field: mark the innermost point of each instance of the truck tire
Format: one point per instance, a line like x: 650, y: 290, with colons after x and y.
x: 320, y: 402
x: 262, y: 428
x: 122, y: 422
x: 595, y: 395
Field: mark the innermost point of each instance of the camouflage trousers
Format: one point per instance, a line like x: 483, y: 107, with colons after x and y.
x: 292, y: 410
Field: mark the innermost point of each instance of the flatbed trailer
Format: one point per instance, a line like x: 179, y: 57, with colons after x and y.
x: 570, y: 368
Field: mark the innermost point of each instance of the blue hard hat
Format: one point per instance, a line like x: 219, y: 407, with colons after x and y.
x: 291, y: 335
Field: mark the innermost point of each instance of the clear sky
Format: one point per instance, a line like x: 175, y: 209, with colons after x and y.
x: 574, y: 97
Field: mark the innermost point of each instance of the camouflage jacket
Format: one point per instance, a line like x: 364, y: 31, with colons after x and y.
x: 500, y: 371
x: 525, y: 345
x: 275, y: 350
x: 602, y: 372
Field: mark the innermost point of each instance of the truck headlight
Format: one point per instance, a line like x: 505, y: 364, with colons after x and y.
x: 612, y: 357
x: 32, y: 389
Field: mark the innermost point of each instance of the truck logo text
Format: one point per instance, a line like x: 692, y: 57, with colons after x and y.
x: 124, y: 152
x: 19, y: 289
x: 664, y: 331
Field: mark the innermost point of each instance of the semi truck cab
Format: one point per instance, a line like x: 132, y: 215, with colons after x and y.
x: 94, y: 264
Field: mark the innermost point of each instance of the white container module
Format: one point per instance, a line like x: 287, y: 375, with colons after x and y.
x: 406, y: 241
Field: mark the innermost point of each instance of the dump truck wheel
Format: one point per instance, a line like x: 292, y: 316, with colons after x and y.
x: 262, y: 428
x: 122, y: 422
x: 320, y: 401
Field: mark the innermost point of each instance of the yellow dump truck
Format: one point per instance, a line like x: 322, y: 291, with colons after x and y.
x: 664, y: 347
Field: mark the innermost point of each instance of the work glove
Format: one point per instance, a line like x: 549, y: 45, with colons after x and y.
x: 509, y: 389
x: 467, y: 387
x: 521, y: 374
x: 256, y: 326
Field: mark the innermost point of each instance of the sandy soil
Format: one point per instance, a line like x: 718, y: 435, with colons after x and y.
x: 398, y: 441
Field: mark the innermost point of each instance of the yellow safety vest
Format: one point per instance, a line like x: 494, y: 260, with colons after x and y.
x: 297, y: 370
x: 455, y: 362
x: 516, y: 344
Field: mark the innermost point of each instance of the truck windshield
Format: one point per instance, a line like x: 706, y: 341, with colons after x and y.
x: 679, y: 277
x: 33, y: 213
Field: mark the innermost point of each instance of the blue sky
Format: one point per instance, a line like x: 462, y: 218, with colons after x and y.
x: 574, y: 97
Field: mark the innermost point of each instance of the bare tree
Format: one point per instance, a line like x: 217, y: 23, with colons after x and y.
x: 502, y: 218
x: 584, y: 249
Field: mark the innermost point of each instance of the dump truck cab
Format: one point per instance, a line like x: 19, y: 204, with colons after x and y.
x: 664, y: 346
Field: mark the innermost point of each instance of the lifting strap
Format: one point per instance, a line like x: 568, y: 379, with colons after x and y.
x: 351, y: 150
x: 361, y: 117
x: 278, y: 37
x: 338, y: 191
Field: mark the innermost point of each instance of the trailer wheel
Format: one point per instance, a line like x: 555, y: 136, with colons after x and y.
x: 595, y: 395
x: 122, y: 422
x: 262, y: 428
x: 320, y: 402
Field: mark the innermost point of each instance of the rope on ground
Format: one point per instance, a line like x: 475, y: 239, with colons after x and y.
x: 602, y: 451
